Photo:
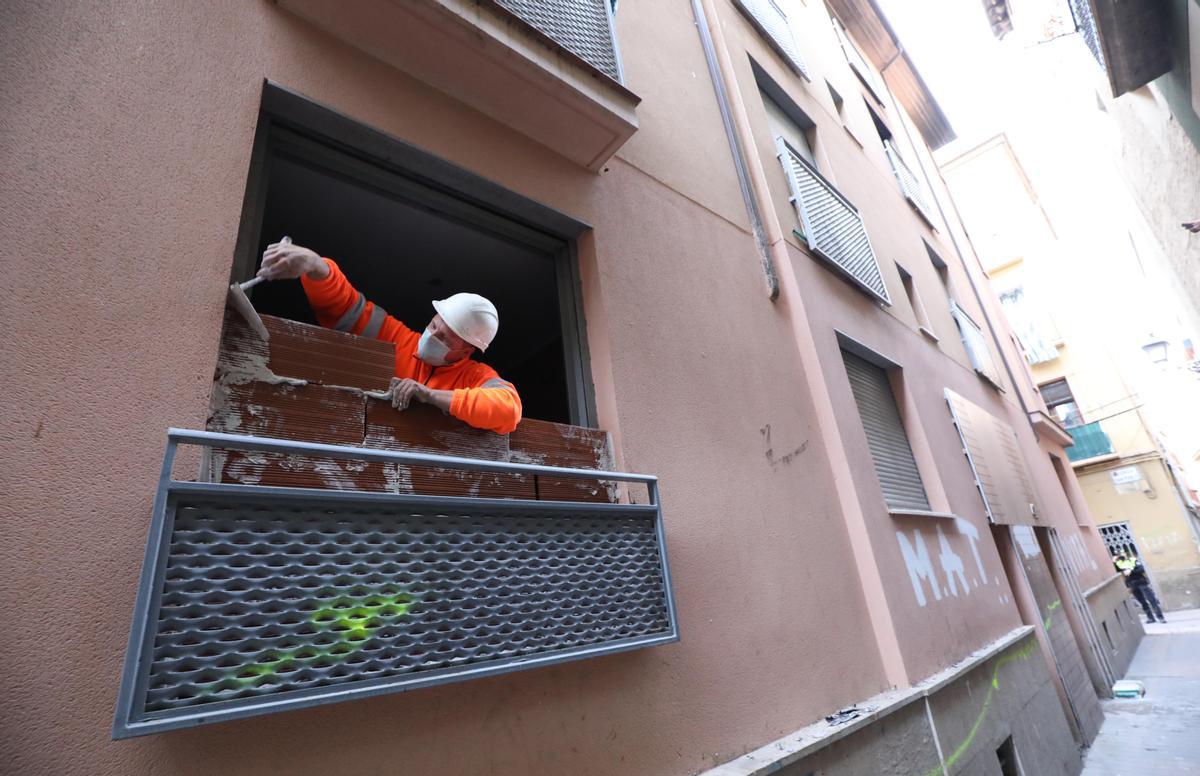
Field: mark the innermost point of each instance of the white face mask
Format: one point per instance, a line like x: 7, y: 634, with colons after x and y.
x: 432, y: 350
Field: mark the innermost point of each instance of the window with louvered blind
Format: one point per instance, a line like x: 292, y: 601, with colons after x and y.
x: 773, y: 24
x: 886, y: 438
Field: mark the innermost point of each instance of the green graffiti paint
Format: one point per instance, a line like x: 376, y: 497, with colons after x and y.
x: 1021, y: 654
x: 1050, y: 613
x: 352, y: 621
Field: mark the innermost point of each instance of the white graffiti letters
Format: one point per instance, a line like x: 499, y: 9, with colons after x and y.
x: 920, y: 567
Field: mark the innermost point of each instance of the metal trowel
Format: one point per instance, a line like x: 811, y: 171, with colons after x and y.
x: 241, y: 303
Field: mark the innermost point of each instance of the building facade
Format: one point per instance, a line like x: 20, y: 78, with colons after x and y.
x: 717, y: 240
x: 1125, y: 397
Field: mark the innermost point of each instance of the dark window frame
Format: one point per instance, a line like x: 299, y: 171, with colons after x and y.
x: 356, y: 149
x: 1070, y: 400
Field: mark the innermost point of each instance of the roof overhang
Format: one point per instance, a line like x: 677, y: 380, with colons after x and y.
x: 878, y: 42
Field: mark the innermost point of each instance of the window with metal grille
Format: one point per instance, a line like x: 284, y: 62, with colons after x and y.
x: 894, y: 462
x: 771, y: 21
x: 1061, y: 402
x: 1118, y: 538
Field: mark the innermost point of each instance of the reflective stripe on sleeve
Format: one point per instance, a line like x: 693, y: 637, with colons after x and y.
x: 496, y: 382
x: 347, y: 321
x: 375, y: 322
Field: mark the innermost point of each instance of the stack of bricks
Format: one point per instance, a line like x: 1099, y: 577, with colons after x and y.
x: 313, y: 384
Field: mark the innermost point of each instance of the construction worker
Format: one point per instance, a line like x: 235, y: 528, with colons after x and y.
x: 434, y: 367
x: 1139, y: 585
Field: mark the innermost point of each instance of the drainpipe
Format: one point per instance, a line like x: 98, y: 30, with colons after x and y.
x: 765, y: 221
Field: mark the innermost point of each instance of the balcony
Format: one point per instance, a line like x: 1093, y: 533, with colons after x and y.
x: 1048, y: 428
x: 550, y: 71
x: 910, y: 184
x: 1090, y: 442
x: 832, y: 226
x: 332, y: 548
x: 256, y: 598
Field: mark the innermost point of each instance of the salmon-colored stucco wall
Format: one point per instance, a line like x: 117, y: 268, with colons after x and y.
x: 127, y: 135
x: 934, y: 629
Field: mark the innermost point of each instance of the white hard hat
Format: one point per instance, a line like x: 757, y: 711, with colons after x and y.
x: 471, y: 317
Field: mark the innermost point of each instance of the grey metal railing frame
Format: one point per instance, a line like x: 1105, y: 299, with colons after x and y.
x: 131, y: 719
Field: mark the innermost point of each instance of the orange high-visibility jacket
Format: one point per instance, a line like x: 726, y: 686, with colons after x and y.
x: 481, y: 398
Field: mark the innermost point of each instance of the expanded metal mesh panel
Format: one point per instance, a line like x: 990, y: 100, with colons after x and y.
x: 832, y: 225
x: 1085, y: 23
x: 772, y: 22
x: 261, y: 599
x: 910, y: 185
x: 580, y: 26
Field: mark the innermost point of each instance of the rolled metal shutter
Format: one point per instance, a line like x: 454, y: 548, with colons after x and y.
x: 894, y: 462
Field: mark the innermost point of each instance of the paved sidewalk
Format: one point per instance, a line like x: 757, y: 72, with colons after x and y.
x: 1158, y: 735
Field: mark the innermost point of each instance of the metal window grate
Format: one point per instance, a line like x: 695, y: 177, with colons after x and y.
x: 583, y: 27
x: 910, y: 185
x: 893, y: 457
x: 833, y: 227
x: 1118, y: 538
x: 258, y: 599
x: 773, y: 24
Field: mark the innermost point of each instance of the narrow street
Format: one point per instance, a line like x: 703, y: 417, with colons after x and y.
x: 1156, y: 734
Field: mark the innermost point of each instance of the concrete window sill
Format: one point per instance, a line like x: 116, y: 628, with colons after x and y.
x: 920, y: 513
x: 494, y: 61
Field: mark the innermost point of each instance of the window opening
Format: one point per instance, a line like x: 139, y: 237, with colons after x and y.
x: 403, y: 243
x: 1007, y: 755
x: 799, y: 135
x: 887, y: 440
x: 1061, y: 402
x: 914, y: 300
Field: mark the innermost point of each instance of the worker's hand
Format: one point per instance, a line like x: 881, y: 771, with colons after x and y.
x: 406, y: 391
x: 286, y: 261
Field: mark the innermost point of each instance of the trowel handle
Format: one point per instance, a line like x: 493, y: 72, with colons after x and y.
x: 256, y: 280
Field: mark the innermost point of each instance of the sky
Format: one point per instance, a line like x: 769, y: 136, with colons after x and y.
x: 966, y: 68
